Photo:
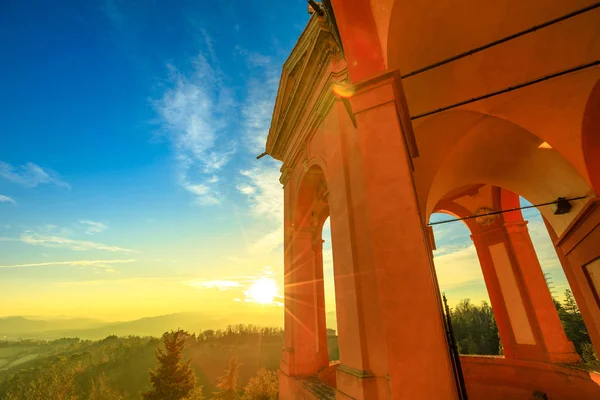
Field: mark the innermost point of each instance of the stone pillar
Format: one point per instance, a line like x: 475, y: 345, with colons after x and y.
x: 527, y: 320
x: 417, y: 352
x: 363, y: 370
x: 305, y: 350
x: 578, y: 249
x: 319, y: 302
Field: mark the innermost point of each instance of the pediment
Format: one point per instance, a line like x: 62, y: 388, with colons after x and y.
x: 300, y: 75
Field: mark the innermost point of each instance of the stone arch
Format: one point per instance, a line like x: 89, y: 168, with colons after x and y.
x: 310, y: 202
x: 457, y: 211
x: 528, y: 324
x: 591, y: 137
x: 479, y: 148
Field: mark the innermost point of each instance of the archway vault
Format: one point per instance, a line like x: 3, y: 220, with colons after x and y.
x: 459, y: 149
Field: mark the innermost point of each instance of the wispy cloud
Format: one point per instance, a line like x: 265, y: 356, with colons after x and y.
x: 93, y: 227
x: 261, y: 184
x: 265, y: 196
x: 81, y: 263
x: 261, y: 92
x: 123, y: 281
x: 39, y: 239
x: 193, y: 113
x: 214, y: 284
x: 6, y: 199
x: 458, y: 268
x: 31, y: 175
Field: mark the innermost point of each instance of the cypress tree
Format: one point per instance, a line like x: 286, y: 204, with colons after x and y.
x: 173, y: 378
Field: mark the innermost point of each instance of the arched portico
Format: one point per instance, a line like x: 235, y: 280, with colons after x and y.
x: 527, y: 320
x: 394, y: 147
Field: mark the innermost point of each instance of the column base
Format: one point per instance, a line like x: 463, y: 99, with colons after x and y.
x: 287, y: 361
x: 360, y: 385
x: 564, y: 358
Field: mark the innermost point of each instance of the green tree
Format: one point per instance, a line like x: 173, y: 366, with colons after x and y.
x: 263, y: 386
x: 475, y: 328
x: 227, y: 386
x: 572, y: 322
x: 173, y: 378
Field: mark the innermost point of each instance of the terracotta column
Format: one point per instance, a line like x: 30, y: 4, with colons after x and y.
x: 305, y: 351
x: 416, y: 348
x: 319, y: 301
x: 578, y: 249
x: 363, y: 370
x: 527, y: 320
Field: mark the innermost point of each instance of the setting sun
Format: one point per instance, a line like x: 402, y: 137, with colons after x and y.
x: 263, y: 291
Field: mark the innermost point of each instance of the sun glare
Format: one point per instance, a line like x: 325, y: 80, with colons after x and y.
x: 263, y: 291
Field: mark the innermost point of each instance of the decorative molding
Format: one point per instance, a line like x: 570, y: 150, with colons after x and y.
x: 485, y: 220
x: 389, y: 88
x: 303, y: 105
x: 285, y: 175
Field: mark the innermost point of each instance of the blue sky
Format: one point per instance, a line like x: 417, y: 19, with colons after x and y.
x: 128, y: 180
x: 129, y: 133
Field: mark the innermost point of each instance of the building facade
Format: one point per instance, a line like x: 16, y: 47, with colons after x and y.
x: 389, y: 111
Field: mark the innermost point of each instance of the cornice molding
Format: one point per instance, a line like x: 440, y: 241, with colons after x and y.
x: 301, y: 107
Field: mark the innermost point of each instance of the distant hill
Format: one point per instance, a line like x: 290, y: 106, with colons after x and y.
x: 48, y: 329
x: 18, y: 325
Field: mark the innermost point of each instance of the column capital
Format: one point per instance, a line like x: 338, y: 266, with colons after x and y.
x: 516, y: 226
x: 302, y: 233
x: 380, y: 90
x: 375, y: 91
x: 318, y: 243
x: 489, y: 236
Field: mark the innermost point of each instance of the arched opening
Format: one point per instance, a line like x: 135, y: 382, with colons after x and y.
x: 329, y: 288
x: 472, y: 164
x: 462, y: 283
x: 458, y: 269
x: 558, y: 285
x: 305, y: 316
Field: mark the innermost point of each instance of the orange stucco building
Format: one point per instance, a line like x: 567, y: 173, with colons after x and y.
x: 391, y: 110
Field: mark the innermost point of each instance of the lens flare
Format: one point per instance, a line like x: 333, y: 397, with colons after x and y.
x: 342, y: 90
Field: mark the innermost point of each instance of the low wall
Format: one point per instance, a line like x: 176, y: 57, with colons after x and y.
x: 486, y: 377
x: 496, y: 378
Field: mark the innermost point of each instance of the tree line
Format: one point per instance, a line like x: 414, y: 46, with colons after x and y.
x: 118, y: 368
x: 476, y: 332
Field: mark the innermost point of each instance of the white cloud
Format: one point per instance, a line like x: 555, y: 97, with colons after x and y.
x: 82, y: 263
x: 193, y: 113
x: 458, y: 268
x: 258, y: 107
x: 214, y: 284
x: 265, y: 196
x: 38, y: 239
x: 267, y: 242
x: 6, y: 199
x: 31, y: 175
x: 264, y: 191
x: 92, y: 226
